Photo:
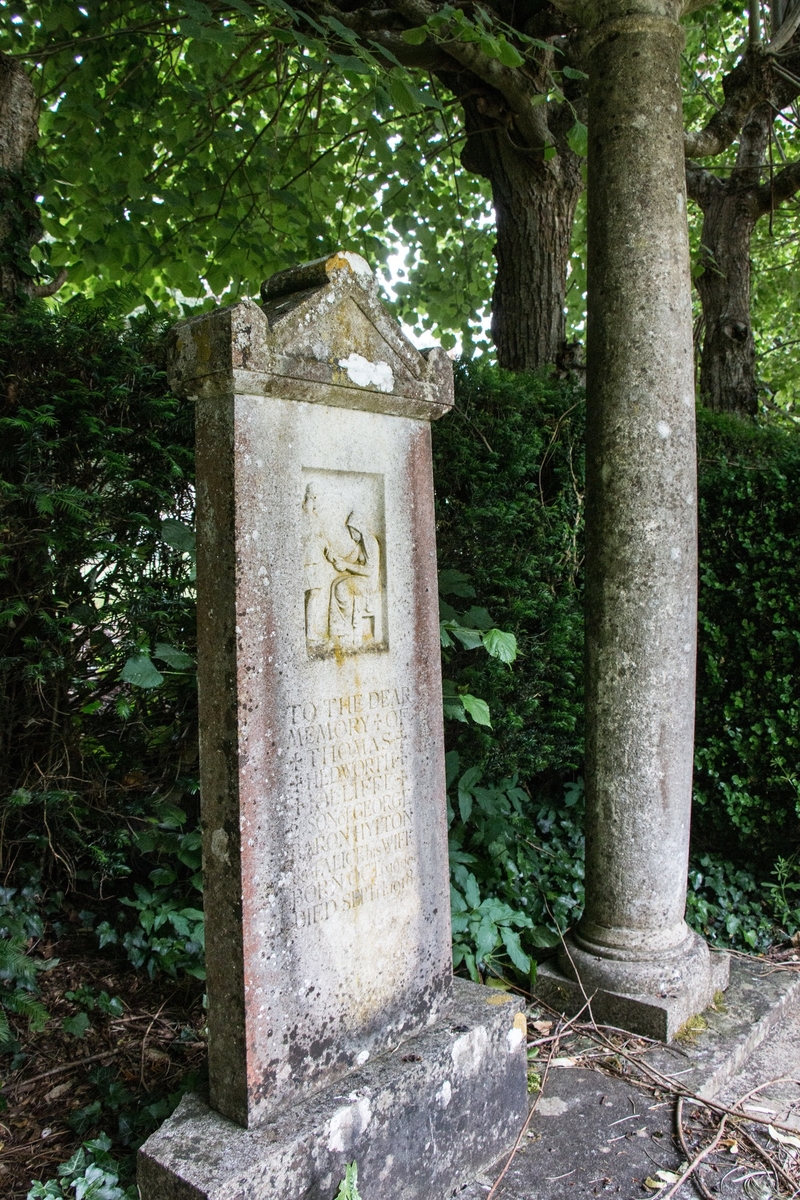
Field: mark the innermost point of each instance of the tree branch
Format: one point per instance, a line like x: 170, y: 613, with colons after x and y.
x: 516, y: 88
x: 746, y: 86
x: 782, y: 187
x: 787, y: 30
x: 701, y: 185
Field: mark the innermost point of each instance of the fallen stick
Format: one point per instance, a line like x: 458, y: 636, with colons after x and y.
x: 698, y: 1181
x: 80, y: 1062
x: 770, y: 1160
x: 695, y: 1163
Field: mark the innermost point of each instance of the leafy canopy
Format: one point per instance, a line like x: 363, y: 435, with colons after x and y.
x: 190, y: 150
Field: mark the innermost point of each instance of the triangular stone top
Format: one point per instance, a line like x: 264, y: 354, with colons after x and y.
x: 321, y: 335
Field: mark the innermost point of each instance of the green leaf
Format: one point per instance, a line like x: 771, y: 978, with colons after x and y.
x: 508, y: 55
x: 464, y: 805
x: 515, y: 952
x: 573, y: 73
x: 470, y: 638
x: 77, y: 1025
x: 543, y: 938
x: 477, y: 709
x: 178, y: 536
x: 415, y: 37
x: 486, y: 939
x: 140, y: 671
x: 404, y: 96
x: 477, y: 618
x: 455, y: 583
x: 500, y: 645
x: 173, y: 657
x: 578, y: 139
x: 472, y: 893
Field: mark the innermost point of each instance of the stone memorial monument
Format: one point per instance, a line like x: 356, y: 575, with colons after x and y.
x: 336, y: 1030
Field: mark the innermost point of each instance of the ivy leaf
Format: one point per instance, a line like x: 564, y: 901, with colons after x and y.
x: 515, y: 952
x: 415, y: 37
x: 572, y: 73
x: 77, y: 1025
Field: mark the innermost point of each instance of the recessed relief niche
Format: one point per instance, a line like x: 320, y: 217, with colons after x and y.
x: 344, y: 563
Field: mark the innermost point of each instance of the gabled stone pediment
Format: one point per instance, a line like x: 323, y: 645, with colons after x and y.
x: 321, y: 335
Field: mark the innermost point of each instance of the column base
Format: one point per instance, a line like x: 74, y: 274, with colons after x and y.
x: 420, y: 1121
x: 658, y: 1016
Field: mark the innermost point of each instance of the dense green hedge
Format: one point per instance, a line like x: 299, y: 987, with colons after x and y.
x: 95, y: 453
x: 510, y: 480
x: 747, y: 765
x: 95, y: 457
x: 509, y: 468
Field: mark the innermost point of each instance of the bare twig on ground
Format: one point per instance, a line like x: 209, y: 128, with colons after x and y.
x: 698, y: 1181
x: 24, y: 1084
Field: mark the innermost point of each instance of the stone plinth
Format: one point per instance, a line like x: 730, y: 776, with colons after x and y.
x: 322, y: 766
x: 419, y: 1123
x: 655, y: 1015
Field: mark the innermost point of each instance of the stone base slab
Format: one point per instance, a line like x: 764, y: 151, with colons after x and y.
x: 419, y: 1121
x: 657, y: 1017
x: 758, y: 1000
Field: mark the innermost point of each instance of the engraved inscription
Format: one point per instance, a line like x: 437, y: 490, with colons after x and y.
x: 349, y: 782
x: 344, y: 575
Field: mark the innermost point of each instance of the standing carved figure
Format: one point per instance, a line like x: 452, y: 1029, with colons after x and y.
x: 354, y: 615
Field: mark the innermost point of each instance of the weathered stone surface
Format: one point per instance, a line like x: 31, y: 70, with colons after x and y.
x: 655, y: 1015
x: 419, y: 1123
x: 641, y: 518
x: 324, y: 338
x: 757, y: 1001
x: 322, y: 769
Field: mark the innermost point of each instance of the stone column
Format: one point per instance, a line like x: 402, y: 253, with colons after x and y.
x: 641, y: 598
x: 336, y: 1030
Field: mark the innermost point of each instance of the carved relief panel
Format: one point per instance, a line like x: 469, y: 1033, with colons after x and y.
x: 344, y: 563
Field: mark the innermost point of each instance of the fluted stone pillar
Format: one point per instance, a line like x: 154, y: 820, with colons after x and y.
x: 633, y: 947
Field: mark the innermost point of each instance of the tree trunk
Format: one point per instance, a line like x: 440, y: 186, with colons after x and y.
x: 19, y: 222
x: 728, y: 381
x: 534, y: 203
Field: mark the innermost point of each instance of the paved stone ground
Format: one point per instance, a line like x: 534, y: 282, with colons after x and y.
x: 594, y: 1133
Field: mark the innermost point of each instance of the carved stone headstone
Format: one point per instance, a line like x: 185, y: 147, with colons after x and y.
x: 322, y: 771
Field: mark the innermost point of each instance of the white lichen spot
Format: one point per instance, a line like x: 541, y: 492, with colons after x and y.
x: 347, y: 1124
x: 362, y: 1057
x: 219, y: 846
x: 675, y: 553
x: 359, y: 266
x: 364, y: 373
x: 679, y: 201
x: 513, y: 1037
x: 469, y: 1050
x: 444, y: 1093
x: 552, y: 1106
x: 663, y: 430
